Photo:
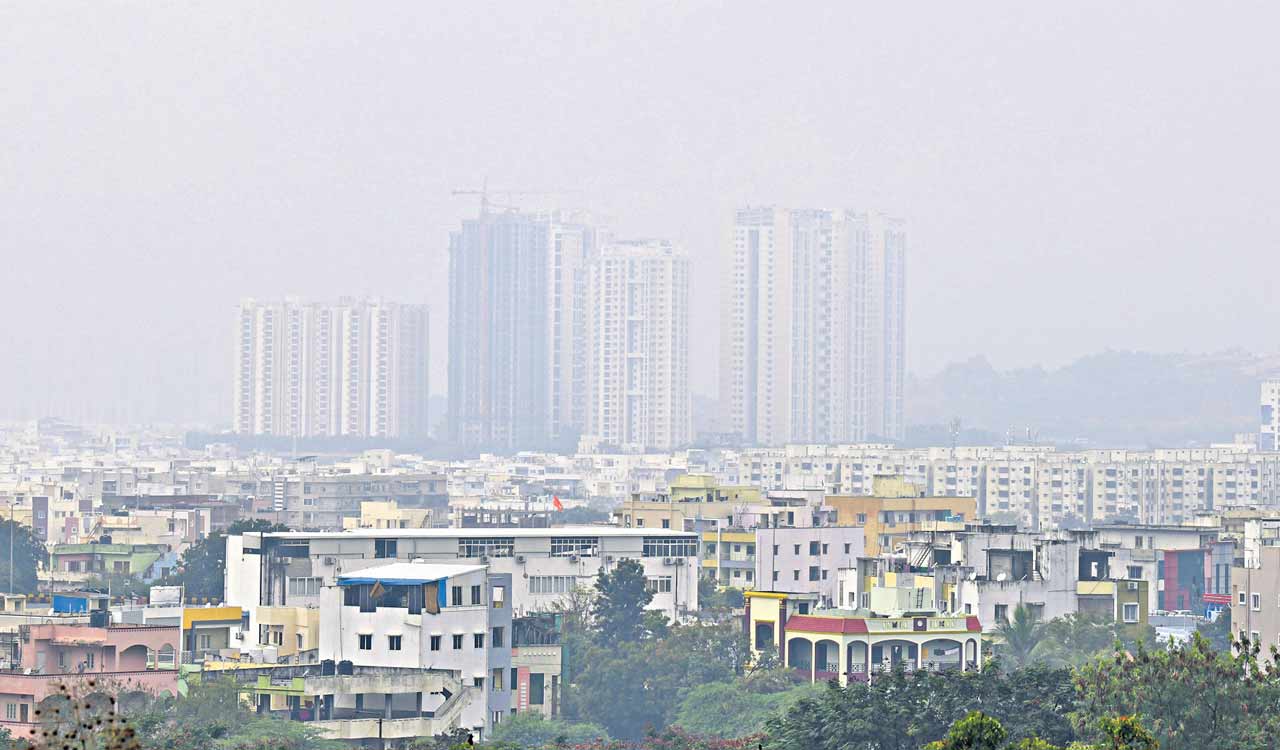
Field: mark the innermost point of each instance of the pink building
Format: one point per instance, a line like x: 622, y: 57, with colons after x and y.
x: 115, y: 659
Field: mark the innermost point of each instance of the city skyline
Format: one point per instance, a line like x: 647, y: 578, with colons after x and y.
x: 1042, y: 186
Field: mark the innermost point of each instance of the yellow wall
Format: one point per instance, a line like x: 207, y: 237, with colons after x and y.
x: 849, y: 509
x: 294, y: 621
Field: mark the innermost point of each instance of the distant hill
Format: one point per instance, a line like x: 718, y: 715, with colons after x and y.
x: 1112, y: 399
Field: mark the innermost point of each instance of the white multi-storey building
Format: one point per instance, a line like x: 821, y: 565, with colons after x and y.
x: 1269, y: 435
x: 638, y: 346
x: 812, y: 327
x: 354, y: 368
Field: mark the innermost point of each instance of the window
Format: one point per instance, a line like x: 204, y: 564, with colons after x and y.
x: 457, y: 642
x: 499, y: 596
x: 499, y: 637
x: 537, y: 682
x: 824, y: 549
x: 775, y: 549
x: 795, y: 574
x: 366, y: 641
x: 497, y: 680
x: 475, y: 595
x: 670, y: 546
x: 1135, y: 571
x: 393, y: 642
x: 309, y: 586
x: 298, y: 640
x: 583, y: 546
x: 847, y: 547
x: 1255, y: 601
x: 666, y: 523
x: 552, y: 584
x: 478, y: 640
x: 813, y: 573
x: 795, y: 549
x: 1131, y: 613
x: 1002, y: 613
x: 657, y: 584
x: 862, y: 519
x: 90, y: 656
x: 481, y: 546
x: 435, y: 643
x: 455, y: 595
x: 11, y: 711
x: 751, y: 549
x: 204, y: 642
x: 1241, y: 601
x: 478, y: 682
x: 384, y: 548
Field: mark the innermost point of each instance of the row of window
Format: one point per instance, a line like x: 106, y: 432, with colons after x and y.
x: 396, y: 642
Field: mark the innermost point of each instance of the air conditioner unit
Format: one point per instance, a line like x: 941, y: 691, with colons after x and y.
x: 1133, y: 585
x: 330, y: 561
x: 520, y: 559
x: 668, y: 561
x: 484, y: 559
x: 573, y: 558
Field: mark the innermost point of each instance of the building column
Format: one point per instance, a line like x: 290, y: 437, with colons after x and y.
x: 813, y: 662
x: 386, y: 705
x: 359, y: 703
x: 417, y: 702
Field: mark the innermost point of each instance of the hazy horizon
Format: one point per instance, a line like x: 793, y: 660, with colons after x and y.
x: 1074, y: 178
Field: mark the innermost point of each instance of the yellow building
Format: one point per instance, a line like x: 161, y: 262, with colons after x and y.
x: 897, y: 508
x: 291, y: 630
x: 387, y: 514
x: 691, y: 497
x: 729, y: 557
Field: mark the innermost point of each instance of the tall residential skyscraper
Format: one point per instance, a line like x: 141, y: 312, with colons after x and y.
x: 515, y: 329
x: 812, y: 326
x: 356, y: 368
x: 638, y: 346
x: 1269, y: 434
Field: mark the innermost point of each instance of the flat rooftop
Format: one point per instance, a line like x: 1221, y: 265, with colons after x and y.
x: 598, y: 531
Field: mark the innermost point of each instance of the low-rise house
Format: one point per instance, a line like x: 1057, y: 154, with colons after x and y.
x: 853, y: 645
x: 56, y: 654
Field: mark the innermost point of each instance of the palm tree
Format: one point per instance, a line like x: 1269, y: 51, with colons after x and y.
x: 1021, y: 635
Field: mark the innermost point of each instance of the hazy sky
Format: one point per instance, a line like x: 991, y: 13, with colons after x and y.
x: 1076, y: 175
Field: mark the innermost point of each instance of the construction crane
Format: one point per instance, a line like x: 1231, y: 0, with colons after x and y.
x: 486, y: 204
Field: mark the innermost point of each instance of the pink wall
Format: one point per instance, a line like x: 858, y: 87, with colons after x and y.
x: 113, y: 648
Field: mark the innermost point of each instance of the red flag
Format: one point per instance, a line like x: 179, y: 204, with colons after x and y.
x: 556, y: 502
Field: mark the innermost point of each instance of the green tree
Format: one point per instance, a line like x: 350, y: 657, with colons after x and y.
x: 1020, y: 636
x: 29, y: 553
x: 202, y: 567
x: 632, y: 688
x: 734, y: 709
x: 1191, y: 696
x: 532, y: 731
x: 621, y: 598
x: 1075, y: 640
x: 977, y: 731
x: 903, y: 711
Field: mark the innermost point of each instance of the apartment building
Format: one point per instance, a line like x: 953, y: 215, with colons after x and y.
x: 689, y: 498
x: 546, y: 565
x: 429, y: 616
x: 303, y: 498
x: 897, y: 509
x: 353, y: 368
x: 1269, y: 432
x: 812, y: 326
x: 1255, y: 598
x: 638, y: 346
x: 516, y: 329
x: 805, y: 560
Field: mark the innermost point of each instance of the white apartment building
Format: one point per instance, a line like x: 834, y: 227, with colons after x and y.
x: 428, y: 616
x: 638, y: 346
x: 545, y: 565
x: 1269, y: 434
x: 812, y: 326
x: 352, y: 368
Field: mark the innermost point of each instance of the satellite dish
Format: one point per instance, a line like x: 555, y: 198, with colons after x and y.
x: 1002, y: 577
